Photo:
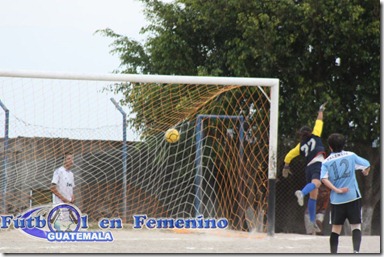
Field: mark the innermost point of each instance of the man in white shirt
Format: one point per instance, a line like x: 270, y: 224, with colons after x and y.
x: 62, y: 186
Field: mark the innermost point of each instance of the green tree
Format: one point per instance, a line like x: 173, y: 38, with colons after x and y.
x: 320, y: 50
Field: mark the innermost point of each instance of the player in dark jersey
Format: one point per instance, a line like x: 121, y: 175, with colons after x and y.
x: 312, y: 149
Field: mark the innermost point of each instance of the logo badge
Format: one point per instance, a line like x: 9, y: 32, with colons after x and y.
x: 60, y: 223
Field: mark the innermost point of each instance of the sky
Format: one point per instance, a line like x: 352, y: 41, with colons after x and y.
x: 56, y: 35
x: 59, y: 36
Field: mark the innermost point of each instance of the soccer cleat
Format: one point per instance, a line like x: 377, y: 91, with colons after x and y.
x: 300, y: 197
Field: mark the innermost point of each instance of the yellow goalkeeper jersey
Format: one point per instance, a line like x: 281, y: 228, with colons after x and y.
x: 317, y: 130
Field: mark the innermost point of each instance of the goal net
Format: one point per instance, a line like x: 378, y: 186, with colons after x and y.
x: 222, y: 166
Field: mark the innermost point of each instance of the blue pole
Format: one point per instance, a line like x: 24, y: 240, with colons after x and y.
x: 5, y: 163
x: 198, y: 164
x: 124, y: 157
x: 198, y: 158
x: 241, y: 118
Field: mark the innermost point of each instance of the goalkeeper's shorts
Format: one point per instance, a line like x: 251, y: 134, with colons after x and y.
x: 313, y: 171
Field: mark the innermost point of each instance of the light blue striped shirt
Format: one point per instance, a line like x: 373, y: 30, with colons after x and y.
x: 339, y: 168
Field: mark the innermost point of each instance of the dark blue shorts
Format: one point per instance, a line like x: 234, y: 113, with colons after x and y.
x: 313, y: 171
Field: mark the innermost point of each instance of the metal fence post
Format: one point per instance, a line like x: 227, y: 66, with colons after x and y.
x: 124, y: 158
x: 5, y: 161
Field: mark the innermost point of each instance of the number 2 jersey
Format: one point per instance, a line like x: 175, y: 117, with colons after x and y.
x: 339, y: 168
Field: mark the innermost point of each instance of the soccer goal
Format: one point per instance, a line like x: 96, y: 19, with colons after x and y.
x: 222, y: 163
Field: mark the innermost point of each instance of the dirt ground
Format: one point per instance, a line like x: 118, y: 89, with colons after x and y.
x: 167, y: 241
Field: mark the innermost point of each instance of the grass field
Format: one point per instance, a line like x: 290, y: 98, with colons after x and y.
x: 168, y: 241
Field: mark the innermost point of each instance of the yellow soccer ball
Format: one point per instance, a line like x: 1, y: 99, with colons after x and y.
x: 172, y: 135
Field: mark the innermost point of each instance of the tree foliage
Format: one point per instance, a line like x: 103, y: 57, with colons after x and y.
x: 320, y: 50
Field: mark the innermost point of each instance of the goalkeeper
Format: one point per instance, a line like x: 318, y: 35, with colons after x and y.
x: 311, y: 147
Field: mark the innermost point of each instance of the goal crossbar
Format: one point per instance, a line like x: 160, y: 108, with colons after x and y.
x: 139, y: 78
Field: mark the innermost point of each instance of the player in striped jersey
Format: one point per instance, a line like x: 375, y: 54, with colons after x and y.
x: 338, y: 173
